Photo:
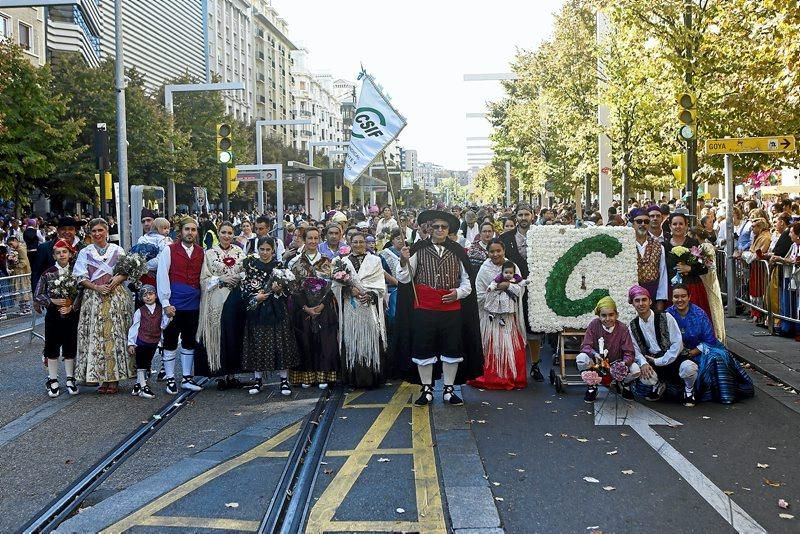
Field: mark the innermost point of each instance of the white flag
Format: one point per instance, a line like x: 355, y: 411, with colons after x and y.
x: 375, y: 125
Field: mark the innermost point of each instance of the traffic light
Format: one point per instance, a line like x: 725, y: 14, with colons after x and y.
x: 232, y: 182
x: 687, y: 115
x: 679, y: 170
x: 224, y: 143
x: 108, y: 184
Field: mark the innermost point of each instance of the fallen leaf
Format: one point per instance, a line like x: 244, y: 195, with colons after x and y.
x: 564, y: 435
x: 609, y: 488
x: 762, y: 466
x: 786, y: 516
x: 400, y: 511
x: 591, y: 480
x: 327, y: 471
x: 481, y: 421
x: 510, y: 403
x: 627, y: 472
x: 593, y: 528
x: 773, y: 483
x: 548, y: 434
x: 582, y: 440
x: 772, y: 448
x: 520, y: 470
x: 499, y: 499
x: 323, y: 463
x: 512, y: 453
x: 706, y: 417
x: 383, y: 460
x: 714, y: 456
x: 746, y: 489
x: 727, y: 492
x: 157, y: 417
x: 623, y: 434
x: 499, y: 408
x: 612, y: 453
x: 343, y: 417
x: 237, y: 414
x: 485, y: 403
x: 231, y: 505
x: 783, y: 504
x: 190, y: 446
x: 548, y: 402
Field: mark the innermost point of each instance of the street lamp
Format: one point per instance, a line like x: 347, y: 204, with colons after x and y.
x: 259, y: 149
x: 168, y: 104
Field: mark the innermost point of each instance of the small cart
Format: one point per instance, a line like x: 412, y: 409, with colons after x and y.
x: 569, y: 345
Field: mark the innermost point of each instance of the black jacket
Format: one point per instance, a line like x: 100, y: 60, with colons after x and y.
x: 509, y: 239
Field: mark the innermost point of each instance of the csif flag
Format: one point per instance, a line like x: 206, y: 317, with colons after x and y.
x: 375, y: 124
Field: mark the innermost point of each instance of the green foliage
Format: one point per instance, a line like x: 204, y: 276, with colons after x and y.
x: 36, y: 134
x: 488, y: 185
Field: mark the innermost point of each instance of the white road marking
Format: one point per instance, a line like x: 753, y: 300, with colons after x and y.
x: 612, y: 410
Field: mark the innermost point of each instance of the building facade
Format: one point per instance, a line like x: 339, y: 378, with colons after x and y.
x: 162, y: 39
x: 315, y: 99
x: 75, y: 29
x: 24, y: 26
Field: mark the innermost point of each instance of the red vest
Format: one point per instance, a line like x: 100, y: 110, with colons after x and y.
x: 149, y: 326
x: 184, y: 269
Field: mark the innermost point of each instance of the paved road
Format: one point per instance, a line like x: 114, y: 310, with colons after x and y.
x: 507, y: 461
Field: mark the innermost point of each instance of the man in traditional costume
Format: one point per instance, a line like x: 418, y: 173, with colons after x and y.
x: 437, y: 319
x: 650, y: 258
x: 658, y: 347
x: 179, y: 266
x: 516, y: 243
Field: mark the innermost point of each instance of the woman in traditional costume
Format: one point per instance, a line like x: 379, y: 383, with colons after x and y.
x: 269, y: 341
x: 478, y: 250
x: 758, y: 283
x: 359, y: 286
x: 314, y: 315
x: 689, y: 272
x: 221, y: 321
x: 105, y: 315
x: 503, y: 340
x: 391, y: 255
x: 720, y: 378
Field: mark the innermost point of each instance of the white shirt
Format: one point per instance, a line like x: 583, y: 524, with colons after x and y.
x: 133, y: 331
x: 661, y: 292
x: 648, y: 327
x: 162, y: 274
x: 466, y: 239
x: 404, y: 274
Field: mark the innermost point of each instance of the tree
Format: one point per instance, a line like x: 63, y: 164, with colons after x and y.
x: 37, y: 135
x: 488, y: 185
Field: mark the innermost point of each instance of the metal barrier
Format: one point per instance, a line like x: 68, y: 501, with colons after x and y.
x: 17, y: 315
x: 756, y: 285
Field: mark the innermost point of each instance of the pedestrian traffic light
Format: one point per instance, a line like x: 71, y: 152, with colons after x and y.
x: 687, y: 115
x: 679, y: 170
x: 107, y: 183
x: 232, y: 182
x: 224, y: 143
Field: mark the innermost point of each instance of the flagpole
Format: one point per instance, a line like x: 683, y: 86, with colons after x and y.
x: 397, y: 218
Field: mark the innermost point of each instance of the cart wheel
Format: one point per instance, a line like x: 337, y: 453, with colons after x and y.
x: 552, y: 376
x: 559, y: 385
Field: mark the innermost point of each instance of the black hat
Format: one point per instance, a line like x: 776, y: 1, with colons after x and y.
x: 148, y: 213
x: 432, y: 215
x: 69, y: 221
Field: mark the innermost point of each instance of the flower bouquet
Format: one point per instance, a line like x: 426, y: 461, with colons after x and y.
x: 285, y: 280
x: 341, y: 273
x: 131, y: 265
x: 684, y: 255
x: 316, y: 291
x: 64, y: 286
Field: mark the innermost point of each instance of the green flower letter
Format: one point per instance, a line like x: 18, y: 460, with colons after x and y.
x: 556, y: 285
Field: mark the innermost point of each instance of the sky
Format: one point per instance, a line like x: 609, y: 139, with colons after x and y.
x: 419, y: 51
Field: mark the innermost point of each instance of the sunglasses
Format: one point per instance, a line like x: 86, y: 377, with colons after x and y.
x: 439, y: 226
x: 642, y: 221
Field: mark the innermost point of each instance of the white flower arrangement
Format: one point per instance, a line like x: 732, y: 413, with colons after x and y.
x: 572, y: 268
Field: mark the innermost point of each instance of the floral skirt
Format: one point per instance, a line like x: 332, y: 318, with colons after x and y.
x: 103, y: 337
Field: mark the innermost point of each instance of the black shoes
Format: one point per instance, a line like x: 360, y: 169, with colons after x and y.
x: 72, y: 388
x: 285, y: 388
x: 591, y: 394
x: 688, y: 399
x: 536, y: 374
x: 53, y: 390
x: 426, y: 396
x: 172, y: 387
x: 449, y: 396
x: 656, y: 393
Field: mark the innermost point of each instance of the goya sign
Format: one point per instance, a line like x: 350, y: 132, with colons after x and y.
x: 750, y: 145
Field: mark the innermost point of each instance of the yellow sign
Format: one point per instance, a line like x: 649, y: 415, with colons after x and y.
x: 750, y: 145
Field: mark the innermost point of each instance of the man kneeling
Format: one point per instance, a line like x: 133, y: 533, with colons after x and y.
x: 658, y: 346
x: 607, y: 340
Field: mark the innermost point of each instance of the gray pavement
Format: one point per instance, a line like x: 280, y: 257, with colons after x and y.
x: 537, y: 446
x: 777, y: 357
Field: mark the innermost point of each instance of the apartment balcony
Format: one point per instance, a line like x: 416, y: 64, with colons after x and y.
x: 304, y: 113
x: 260, y: 56
x: 306, y: 133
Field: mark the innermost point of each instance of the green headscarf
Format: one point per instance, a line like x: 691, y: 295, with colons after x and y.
x: 605, y: 302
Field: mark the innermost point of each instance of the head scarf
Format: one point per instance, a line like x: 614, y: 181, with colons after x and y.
x: 637, y: 291
x: 63, y: 244
x: 605, y: 302
x: 145, y: 289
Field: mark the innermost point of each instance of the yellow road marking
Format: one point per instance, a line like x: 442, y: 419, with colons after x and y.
x: 201, y: 522
x: 374, y: 451
x: 373, y: 405
x: 351, y: 396
x: 428, y: 496
x: 147, y: 512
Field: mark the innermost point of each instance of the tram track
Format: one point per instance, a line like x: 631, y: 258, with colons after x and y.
x: 289, y: 506
x: 50, y: 517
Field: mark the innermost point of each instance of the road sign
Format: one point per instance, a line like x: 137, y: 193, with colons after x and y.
x: 750, y: 145
x: 253, y: 176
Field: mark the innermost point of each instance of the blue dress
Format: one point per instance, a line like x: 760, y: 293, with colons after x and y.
x: 720, y: 377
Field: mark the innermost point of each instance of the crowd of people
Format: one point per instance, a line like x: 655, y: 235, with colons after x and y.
x: 363, y: 295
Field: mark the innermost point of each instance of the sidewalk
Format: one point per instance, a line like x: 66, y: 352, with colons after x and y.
x: 775, y: 356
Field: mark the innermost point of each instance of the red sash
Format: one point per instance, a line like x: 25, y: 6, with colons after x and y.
x: 429, y: 298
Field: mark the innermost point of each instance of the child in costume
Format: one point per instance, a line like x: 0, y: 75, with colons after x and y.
x: 61, y: 319
x: 503, y: 304
x: 144, y: 336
